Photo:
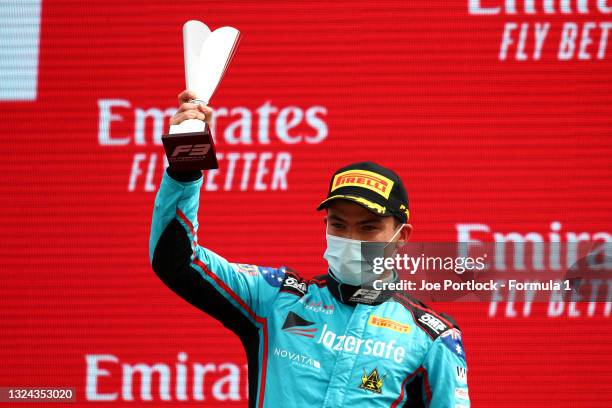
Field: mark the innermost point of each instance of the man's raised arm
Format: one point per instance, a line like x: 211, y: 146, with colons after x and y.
x: 229, y: 292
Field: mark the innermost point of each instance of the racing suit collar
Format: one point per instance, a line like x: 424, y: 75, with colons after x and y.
x: 353, y: 295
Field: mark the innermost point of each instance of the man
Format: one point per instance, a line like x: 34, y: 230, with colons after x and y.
x: 331, y: 341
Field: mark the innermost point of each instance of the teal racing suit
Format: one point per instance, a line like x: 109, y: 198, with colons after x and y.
x: 309, y: 342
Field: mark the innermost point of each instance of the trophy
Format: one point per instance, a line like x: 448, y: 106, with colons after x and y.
x: 189, y: 145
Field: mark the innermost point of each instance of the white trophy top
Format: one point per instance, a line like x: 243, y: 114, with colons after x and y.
x: 207, y: 55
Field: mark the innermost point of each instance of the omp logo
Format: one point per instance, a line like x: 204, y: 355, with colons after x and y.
x: 19, y: 39
x: 191, y: 149
x: 365, y: 179
x: 291, y: 282
x: 433, y: 323
x: 388, y: 324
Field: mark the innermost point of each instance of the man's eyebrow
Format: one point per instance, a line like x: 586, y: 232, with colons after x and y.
x: 375, y: 220
x: 336, y: 218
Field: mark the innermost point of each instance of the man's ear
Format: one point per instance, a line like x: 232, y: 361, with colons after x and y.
x: 405, y: 233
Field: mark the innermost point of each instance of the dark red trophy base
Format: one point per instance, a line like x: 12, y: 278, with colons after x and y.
x: 191, y: 151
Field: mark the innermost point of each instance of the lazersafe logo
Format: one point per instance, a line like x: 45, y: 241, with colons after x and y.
x: 297, y: 325
x: 365, y: 347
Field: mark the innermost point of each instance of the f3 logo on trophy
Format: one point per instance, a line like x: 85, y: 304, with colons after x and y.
x: 191, y: 150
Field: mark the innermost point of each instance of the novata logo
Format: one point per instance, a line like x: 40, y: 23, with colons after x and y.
x: 366, y: 347
x: 297, y: 358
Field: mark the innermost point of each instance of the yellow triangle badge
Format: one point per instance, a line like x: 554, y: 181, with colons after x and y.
x: 372, y: 382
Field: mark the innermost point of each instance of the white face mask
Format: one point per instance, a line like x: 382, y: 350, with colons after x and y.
x: 347, y: 262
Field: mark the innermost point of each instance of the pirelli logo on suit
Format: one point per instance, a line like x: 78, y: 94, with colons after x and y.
x: 364, y: 179
x: 388, y: 324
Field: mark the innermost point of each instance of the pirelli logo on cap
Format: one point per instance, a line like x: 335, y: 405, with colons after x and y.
x: 388, y: 324
x: 365, y: 179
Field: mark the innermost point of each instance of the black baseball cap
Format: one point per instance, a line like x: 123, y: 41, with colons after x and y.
x: 374, y: 187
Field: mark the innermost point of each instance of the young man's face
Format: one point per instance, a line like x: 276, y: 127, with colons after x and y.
x: 347, y: 219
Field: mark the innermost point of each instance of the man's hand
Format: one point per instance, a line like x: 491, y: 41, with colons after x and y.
x: 190, y: 110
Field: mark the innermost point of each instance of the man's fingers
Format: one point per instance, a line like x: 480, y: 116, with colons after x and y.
x: 186, y: 96
x: 190, y: 114
x: 189, y: 110
x: 208, y: 111
x: 193, y: 114
x: 187, y: 106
